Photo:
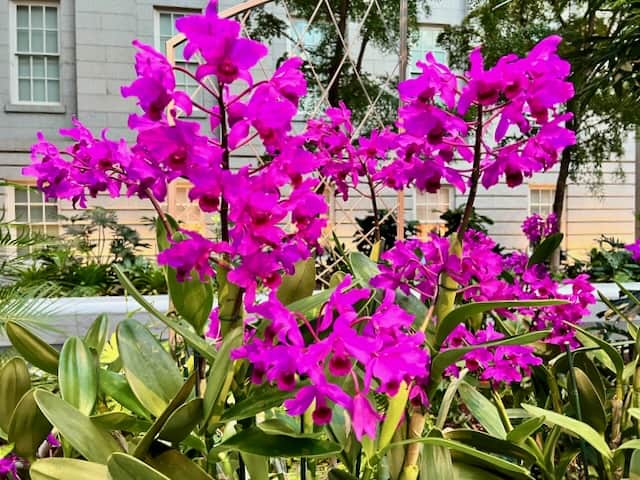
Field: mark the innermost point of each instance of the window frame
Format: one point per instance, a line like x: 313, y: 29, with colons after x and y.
x: 539, y: 186
x: 10, y: 207
x: 14, y: 94
x: 412, y: 70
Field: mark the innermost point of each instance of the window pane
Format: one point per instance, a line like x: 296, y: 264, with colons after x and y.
x: 23, y: 16
x: 23, y: 40
x: 39, y: 91
x: 21, y: 213
x: 37, y: 18
x: 53, y: 71
x: 52, y: 41
x: 36, y: 213
x: 166, y: 27
x: 51, y: 213
x: 24, y: 69
x: 35, y: 196
x: 37, y: 40
x: 53, y: 91
x: 20, y: 196
x: 24, y: 90
x: 52, y: 17
x: 38, y: 67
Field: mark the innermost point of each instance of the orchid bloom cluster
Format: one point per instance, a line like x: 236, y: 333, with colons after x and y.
x: 345, y: 354
x: 536, y: 228
x: 415, y: 267
x: 519, y: 99
x: 342, y: 341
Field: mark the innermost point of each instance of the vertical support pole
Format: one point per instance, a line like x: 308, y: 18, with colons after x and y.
x: 404, y: 60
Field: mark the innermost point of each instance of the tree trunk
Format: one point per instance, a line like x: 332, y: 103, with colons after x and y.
x: 333, y: 95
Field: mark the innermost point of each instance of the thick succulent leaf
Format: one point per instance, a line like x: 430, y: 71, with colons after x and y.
x: 462, y: 312
x: 28, y: 427
x: 576, y: 427
x: 299, y: 285
x: 181, y: 327
x: 545, y: 249
x: 14, y: 383
x: 491, y: 444
x: 591, y: 406
x: 34, y: 350
x: 483, y: 410
x: 254, y: 441
x: 151, y: 372
x: 177, y: 466
x: 78, y: 375
x: 260, y: 400
x: 523, y: 431
x: 125, y: 467
x: 364, y: 269
x: 92, y: 441
x: 67, y: 469
x: 96, y: 336
x: 182, y: 422
x: 116, y: 386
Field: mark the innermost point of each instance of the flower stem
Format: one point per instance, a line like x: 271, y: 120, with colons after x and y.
x: 475, y: 177
x: 158, y: 209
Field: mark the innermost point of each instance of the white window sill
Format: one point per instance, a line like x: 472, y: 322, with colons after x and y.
x: 34, y: 108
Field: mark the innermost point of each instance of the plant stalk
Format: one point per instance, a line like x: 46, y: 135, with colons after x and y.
x: 475, y: 177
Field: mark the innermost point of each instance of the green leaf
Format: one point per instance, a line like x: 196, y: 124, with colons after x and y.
x: 34, y: 350
x: 220, y: 375
x: 96, y: 336
x: 28, y: 427
x: 576, y: 427
x: 545, y: 249
x: 15, y: 382
x: 445, y: 358
x: 491, y: 444
x: 633, y: 329
x: 395, y: 412
x: 182, y: 422
x: 94, y: 443
x: 125, y: 467
x: 276, y: 426
x: 177, y: 466
x: 587, y: 339
x: 78, y: 375
x: 192, y: 299
x: 482, y: 458
x: 299, y: 285
x: 258, y: 401
x: 311, y: 305
x: 363, y: 268
x: 67, y: 469
x: 255, y: 441
x: 524, y: 431
x: 179, y: 399
x: 162, y: 236
x: 464, y: 471
x: 182, y: 328
x: 462, y: 312
x: 483, y: 410
x: 630, y: 445
x: 120, y: 421
x: 115, y: 386
x: 591, y: 406
x: 634, y: 466
x: 152, y: 374
x: 435, y: 460
x: 6, y: 450
x: 336, y: 278
x: 257, y: 465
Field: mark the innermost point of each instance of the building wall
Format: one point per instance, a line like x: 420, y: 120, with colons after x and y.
x: 97, y: 59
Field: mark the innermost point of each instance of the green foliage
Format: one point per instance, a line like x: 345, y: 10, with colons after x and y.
x: 453, y: 218
x: 607, y: 262
x: 600, y: 42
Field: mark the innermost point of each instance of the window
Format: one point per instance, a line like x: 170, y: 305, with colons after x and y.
x: 304, y: 39
x: 165, y: 30
x: 36, y: 48
x: 34, y: 214
x: 429, y: 207
x: 427, y: 41
x: 541, y: 200
x: 184, y: 210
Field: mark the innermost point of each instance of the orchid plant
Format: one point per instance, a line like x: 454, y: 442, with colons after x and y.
x: 366, y: 371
